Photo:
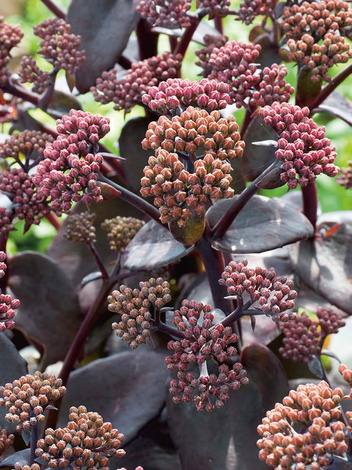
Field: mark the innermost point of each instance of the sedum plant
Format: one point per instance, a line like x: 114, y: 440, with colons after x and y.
x: 178, y: 300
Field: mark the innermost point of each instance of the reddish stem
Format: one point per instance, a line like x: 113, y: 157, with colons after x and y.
x: 98, y: 260
x: 147, y: 41
x: 188, y: 34
x: 22, y: 92
x: 55, y: 222
x: 218, y: 24
x: 173, y: 43
x: 310, y: 203
x: 54, y: 9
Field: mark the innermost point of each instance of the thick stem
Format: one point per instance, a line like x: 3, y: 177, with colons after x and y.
x: 134, y: 200
x: 54, y: 9
x: 55, y: 222
x: 81, y: 337
x: 34, y: 440
x: 226, y: 220
x: 235, y: 315
x: 98, y: 260
x: 310, y: 202
x: 147, y: 41
x: 188, y: 34
x: 214, y: 266
x: 173, y: 43
x: 4, y: 279
x: 246, y: 121
x: 218, y: 24
x: 47, y: 96
x: 328, y: 89
x: 22, y: 92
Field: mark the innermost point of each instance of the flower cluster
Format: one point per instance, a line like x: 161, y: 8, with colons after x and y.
x: 200, y: 342
x: 346, y: 375
x: 135, y: 306
x: 211, y: 42
x: 6, y: 440
x: 27, y: 398
x: 304, y: 150
x: 70, y: 169
x: 128, y: 91
x: 304, y: 337
x: 10, y: 36
x: 80, y: 228
x: 345, y: 179
x: 214, y: 7
x: 177, y: 93
x: 178, y: 193
x: 30, y: 144
x: 26, y: 203
x: 235, y: 64
x: 315, y: 33
x: 196, y: 128
x: 168, y: 14
x: 29, y: 72
x: 273, y: 295
x: 87, y: 441
x: 8, y: 305
x: 3, y: 265
x: 121, y: 230
x: 250, y: 9
x: 306, y: 429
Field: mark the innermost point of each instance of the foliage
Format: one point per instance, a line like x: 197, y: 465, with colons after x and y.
x: 192, y: 275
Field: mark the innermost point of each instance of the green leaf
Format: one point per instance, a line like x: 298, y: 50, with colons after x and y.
x: 49, y: 311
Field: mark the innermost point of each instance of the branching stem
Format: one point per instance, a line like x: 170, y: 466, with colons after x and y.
x: 54, y: 9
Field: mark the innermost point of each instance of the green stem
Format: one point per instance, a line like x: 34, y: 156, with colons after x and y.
x: 226, y: 220
x: 134, y: 200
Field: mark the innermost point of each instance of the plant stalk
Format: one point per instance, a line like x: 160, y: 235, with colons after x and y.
x: 54, y: 9
x: 98, y: 260
x: 227, y: 219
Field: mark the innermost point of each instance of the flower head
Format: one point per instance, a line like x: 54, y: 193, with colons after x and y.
x: 315, y: 33
x: 345, y: 179
x: 214, y: 7
x: 70, y: 169
x: 211, y: 42
x: 271, y: 294
x: 128, y: 91
x: 136, y: 307
x: 10, y: 36
x: 26, y: 203
x: 168, y: 14
x: 304, y: 337
x: 27, y: 398
x: 121, y: 230
x: 304, y: 150
x: 86, y: 441
x: 250, y: 9
x: 306, y: 429
x: 202, y: 340
x: 80, y: 228
x: 6, y: 440
x: 176, y: 93
x: 178, y: 193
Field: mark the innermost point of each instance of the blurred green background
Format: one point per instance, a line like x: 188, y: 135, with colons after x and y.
x: 29, y: 13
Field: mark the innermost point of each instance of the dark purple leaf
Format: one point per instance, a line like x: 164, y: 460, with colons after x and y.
x: 131, y: 390
x: 131, y: 149
x: 339, y: 464
x: 325, y: 265
x: 91, y: 277
x: 62, y: 103
x: 227, y: 437
x: 255, y: 160
x: 315, y: 366
x: 22, y: 456
x: 255, y: 32
x: 337, y: 105
x: 49, y: 311
x: 152, y: 450
x: 74, y: 258
x: 309, y: 300
x: 269, y: 54
x: 152, y: 248
x: 307, y: 90
x: 271, y: 180
x: 279, y: 9
x: 105, y: 28
x: 13, y: 366
x: 263, y: 224
x: 325, y: 352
